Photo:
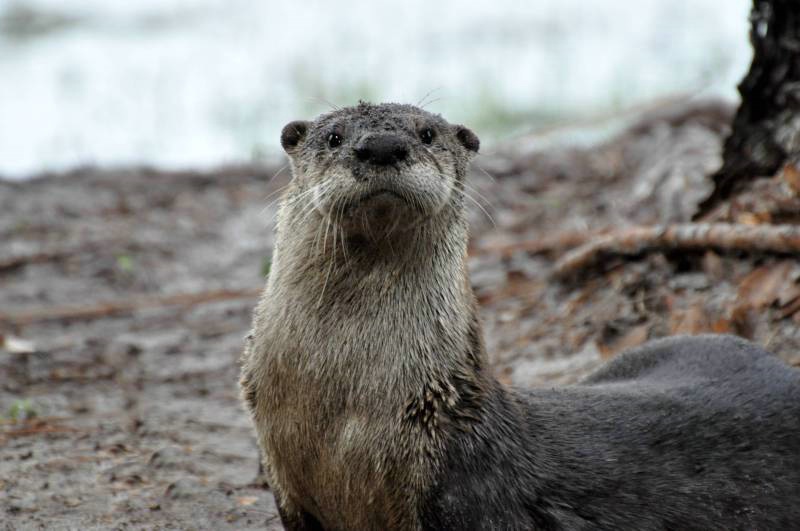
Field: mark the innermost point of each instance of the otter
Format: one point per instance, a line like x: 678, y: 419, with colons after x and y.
x: 367, y: 379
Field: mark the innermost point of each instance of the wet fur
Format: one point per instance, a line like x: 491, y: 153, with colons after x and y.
x: 367, y: 381
x: 682, y: 433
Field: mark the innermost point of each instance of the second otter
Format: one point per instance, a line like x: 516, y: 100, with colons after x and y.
x: 368, y: 384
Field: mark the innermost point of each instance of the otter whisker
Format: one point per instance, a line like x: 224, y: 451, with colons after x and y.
x: 489, y: 175
x: 366, y: 225
x: 325, y: 284
x: 416, y: 203
x: 431, y: 102
x: 309, y: 195
x: 391, y: 229
x: 317, y: 234
x: 465, y: 194
x: 325, y: 237
x: 341, y: 230
x: 319, y: 99
x: 332, y: 265
x: 334, y: 235
x: 344, y: 248
x: 319, y: 230
x: 272, y: 177
x: 310, y: 190
x: 322, y: 188
x: 278, y: 172
x: 421, y: 103
x: 286, y: 202
x: 432, y: 158
x: 478, y: 192
x: 307, y: 210
x: 268, y: 205
x: 391, y: 247
x: 294, y: 200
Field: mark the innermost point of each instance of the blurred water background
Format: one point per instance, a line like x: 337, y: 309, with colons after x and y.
x: 200, y: 83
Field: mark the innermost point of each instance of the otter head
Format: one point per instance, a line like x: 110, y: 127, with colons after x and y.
x: 374, y: 169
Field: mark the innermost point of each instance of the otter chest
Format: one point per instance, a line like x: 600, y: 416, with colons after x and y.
x: 343, y: 457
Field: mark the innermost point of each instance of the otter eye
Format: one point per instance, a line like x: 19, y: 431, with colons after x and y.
x: 334, y: 140
x: 426, y: 135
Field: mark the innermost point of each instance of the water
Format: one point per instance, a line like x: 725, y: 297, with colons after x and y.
x: 198, y: 83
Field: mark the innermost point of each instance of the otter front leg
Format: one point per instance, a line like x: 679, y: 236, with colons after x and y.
x: 296, y: 519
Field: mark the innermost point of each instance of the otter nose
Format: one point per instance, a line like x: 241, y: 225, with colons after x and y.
x: 382, y: 149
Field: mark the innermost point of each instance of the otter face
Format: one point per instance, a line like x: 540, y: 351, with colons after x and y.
x: 384, y: 167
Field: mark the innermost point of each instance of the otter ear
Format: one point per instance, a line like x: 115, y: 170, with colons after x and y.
x: 467, y: 138
x: 292, y: 134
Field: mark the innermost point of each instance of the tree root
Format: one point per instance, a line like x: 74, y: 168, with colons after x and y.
x: 780, y: 239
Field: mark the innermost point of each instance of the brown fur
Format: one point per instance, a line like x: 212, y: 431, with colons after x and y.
x: 363, y: 336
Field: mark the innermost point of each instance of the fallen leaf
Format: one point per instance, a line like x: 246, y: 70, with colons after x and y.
x: 790, y: 309
x: 712, y: 265
x: 722, y: 326
x: 244, y: 501
x: 749, y: 218
x: 632, y: 338
x: 764, y: 285
x: 789, y: 295
x: 505, y: 376
x: 691, y: 321
x: 791, y: 174
x: 743, y: 319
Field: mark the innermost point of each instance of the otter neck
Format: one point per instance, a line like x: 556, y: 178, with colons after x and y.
x: 378, y: 315
x: 433, y: 250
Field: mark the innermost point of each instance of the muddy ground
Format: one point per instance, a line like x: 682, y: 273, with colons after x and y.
x: 125, y: 297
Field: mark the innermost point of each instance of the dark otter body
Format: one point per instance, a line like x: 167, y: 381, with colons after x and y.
x: 367, y: 379
x: 682, y: 433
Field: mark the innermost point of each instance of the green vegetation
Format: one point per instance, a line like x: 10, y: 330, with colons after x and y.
x: 125, y: 263
x: 22, y: 410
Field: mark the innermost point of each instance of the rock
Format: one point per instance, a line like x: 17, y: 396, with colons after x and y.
x: 184, y: 488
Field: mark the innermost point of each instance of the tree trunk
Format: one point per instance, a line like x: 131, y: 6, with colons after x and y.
x: 766, y: 128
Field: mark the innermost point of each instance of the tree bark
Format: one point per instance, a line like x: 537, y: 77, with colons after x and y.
x: 766, y: 129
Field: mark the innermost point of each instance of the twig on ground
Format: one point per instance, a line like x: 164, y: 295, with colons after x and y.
x: 783, y: 239
x: 64, y: 252
x: 107, y: 309
x: 52, y: 255
x: 35, y: 428
x: 549, y: 244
